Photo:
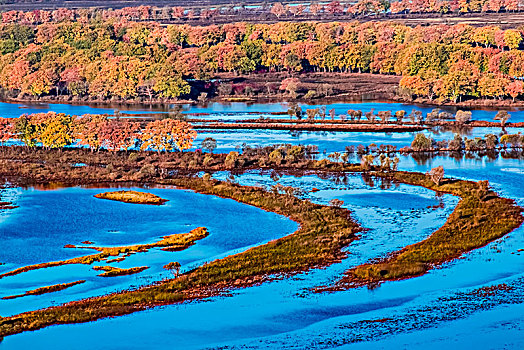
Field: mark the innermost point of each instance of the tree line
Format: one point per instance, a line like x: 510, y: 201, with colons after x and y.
x: 57, y: 130
x: 111, y: 59
x: 277, y: 10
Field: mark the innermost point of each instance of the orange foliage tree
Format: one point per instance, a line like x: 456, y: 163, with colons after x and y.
x: 167, y: 135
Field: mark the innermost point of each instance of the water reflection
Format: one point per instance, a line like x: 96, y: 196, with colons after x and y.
x: 236, y: 110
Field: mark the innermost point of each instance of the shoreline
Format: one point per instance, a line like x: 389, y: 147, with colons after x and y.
x: 372, y: 92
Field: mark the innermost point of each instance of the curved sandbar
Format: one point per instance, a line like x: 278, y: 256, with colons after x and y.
x: 134, y: 197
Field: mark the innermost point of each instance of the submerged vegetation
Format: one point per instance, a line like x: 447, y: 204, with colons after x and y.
x: 132, y: 197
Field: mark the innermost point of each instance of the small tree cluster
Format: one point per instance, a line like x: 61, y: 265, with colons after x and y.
x: 57, y: 130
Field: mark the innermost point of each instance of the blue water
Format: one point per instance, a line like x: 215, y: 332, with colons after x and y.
x: 14, y: 110
x: 401, y: 217
x: 236, y: 110
x: 240, y: 110
x: 231, y: 140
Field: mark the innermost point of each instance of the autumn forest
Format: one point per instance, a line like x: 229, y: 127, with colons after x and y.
x: 118, y: 59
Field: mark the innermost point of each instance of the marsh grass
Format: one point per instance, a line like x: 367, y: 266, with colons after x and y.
x: 134, y: 197
x: 173, y: 242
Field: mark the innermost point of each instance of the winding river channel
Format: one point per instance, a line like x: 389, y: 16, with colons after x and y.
x: 431, y: 311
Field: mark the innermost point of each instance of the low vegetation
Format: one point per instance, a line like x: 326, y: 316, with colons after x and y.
x: 170, y: 243
x: 44, y: 290
x: 111, y: 271
x: 132, y: 197
x: 480, y: 217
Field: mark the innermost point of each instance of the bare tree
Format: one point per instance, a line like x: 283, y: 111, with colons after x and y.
x: 337, y: 203
x: 436, y: 174
x: 463, y: 116
x: 209, y: 144
x: 503, y: 117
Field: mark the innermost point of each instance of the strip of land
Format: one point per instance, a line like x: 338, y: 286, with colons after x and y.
x: 314, y: 127
x: 174, y: 242
x: 111, y: 271
x: 44, y: 290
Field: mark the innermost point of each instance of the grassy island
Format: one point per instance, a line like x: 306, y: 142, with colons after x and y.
x: 134, y: 197
x: 110, y: 271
